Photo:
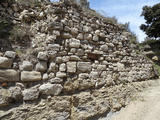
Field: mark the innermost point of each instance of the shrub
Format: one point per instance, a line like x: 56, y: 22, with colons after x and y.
x: 21, y: 36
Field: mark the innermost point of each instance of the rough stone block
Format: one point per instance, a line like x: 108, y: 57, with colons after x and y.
x: 84, y: 66
x: 30, y: 76
x: 5, y: 62
x: 9, y: 75
x: 71, y: 67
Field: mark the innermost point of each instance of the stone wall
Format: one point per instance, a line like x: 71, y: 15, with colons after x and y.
x: 75, y: 58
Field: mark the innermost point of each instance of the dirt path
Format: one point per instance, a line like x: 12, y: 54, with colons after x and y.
x: 147, y: 107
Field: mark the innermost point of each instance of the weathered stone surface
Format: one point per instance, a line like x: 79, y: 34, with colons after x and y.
x: 27, y: 76
x: 84, y: 66
x: 84, y: 76
x: 56, y: 80
x: 16, y: 93
x: 62, y: 67
x: 54, y: 47
x: 155, y: 58
x: 104, y: 48
x: 5, y: 62
x: 80, y: 36
x: 42, y: 56
x: 9, y: 75
x: 41, y: 66
x: 94, y: 75
x: 85, y: 100
x: 38, y: 111
x: 95, y: 38
x: 26, y: 66
x: 5, y: 97
x: 61, y: 74
x: 45, y: 76
x: 52, y: 67
x: 30, y: 94
x: 71, y: 67
x: 74, y: 43
x: 66, y: 35
x: 50, y: 89
x: 10, y: 54
x: 89, y: 58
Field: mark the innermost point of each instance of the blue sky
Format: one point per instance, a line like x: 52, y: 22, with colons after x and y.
x: 124, y: 11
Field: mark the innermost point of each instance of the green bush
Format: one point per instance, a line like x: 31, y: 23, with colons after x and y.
x: 5, y: 28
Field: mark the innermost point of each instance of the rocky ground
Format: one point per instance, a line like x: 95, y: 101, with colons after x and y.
x: 144, y: 107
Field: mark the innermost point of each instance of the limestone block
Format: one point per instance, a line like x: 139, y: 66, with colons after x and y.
x: 61, y: 74
x: 84, y: 66
x: 74, y: 43
x: 10, y: 54
x: 5, y: 97
x: 42, y: 56
x: 5, y: 62
x: 32, y: 76
x: 50, y: 89
x: 26, y: 66
x: 41, y: 66
x: 71, y: 67
x: 9, y: 75
x: 30, y: 94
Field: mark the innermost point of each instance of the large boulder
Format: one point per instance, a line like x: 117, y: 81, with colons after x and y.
x: 5, y: 62
x: 9, y: 75
x: 30, y: 76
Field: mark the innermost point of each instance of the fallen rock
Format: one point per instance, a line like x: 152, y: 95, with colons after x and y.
x: 9, y: 75
x: 30, y: 76
x: 50, y: 89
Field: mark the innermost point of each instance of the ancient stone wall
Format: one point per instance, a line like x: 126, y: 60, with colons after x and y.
x: 76, y: 61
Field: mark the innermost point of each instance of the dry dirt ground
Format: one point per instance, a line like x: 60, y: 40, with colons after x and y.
x: 145, y: 107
